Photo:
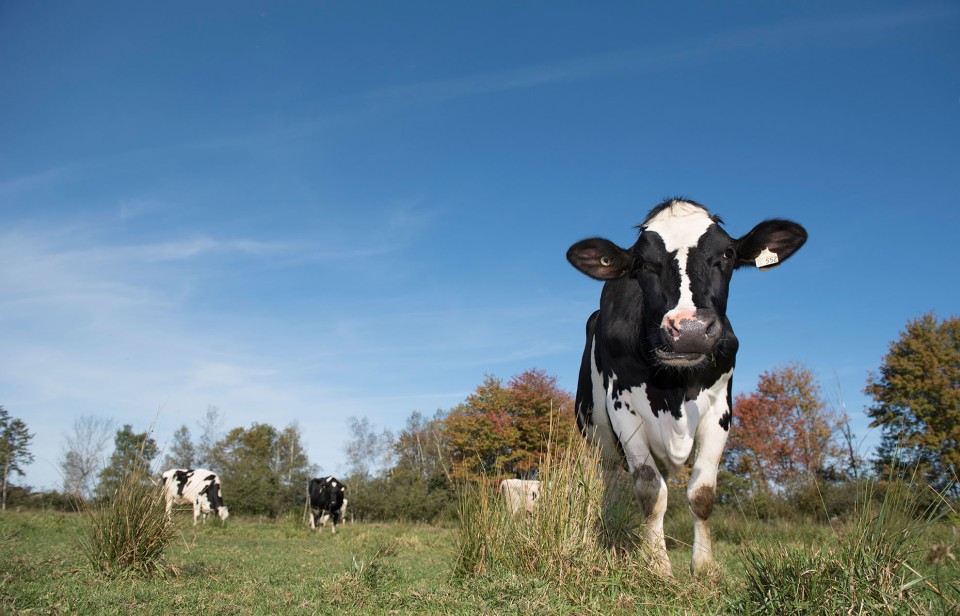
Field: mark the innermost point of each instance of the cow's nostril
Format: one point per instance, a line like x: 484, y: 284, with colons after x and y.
x: 673, y: 328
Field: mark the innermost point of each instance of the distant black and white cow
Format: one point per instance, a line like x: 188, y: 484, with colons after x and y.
x: 198, y: 487
x: 654, y: 390
x: 322, y: 522
x: 520, y: 494
x: 326, y: 501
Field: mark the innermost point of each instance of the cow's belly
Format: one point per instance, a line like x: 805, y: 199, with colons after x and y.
x: 643, y: 433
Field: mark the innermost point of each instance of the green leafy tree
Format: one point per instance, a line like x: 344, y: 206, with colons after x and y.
x: 419, y: 489
x: 14, y: 448
x: 245, y: 461
x: 916, y: 398
x: 182, y: 453
x: 368, y: 458
x: 133, y: 452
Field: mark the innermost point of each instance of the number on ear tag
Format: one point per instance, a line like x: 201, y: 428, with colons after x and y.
x: 767, y: 259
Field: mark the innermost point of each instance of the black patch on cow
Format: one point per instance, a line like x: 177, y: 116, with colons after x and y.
x: 584, y: 400
x: 617, y: 405
x: 181, y: 477
x: 212, y: 492
x: 647, y: 483
x: 727, y: 417
x: 665, y: 400
x: 701, y: 502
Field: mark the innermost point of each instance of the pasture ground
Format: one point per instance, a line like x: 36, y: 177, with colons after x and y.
x: 251, y: 566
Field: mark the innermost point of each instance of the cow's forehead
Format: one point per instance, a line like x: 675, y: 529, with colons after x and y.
x: 680, y: 225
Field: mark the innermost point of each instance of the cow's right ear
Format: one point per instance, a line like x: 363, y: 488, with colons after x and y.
x: 600, y: 259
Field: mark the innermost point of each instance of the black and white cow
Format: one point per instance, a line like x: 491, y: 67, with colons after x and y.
x: 197, y: 487
x: 654, y: 390
x: 326, y: 501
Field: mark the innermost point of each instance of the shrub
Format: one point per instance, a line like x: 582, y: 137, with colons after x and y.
x: 130, y: 531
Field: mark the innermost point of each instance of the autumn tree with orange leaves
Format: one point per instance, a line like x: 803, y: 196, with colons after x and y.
x: 502, y: 429
x: 784, y: 435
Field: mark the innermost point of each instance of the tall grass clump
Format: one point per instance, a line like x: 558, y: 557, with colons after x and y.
x: 869, y: 568
x: 130, y: 531
x: 580, y: 538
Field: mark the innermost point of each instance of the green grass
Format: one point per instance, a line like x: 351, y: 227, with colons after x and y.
x: 248, y: 567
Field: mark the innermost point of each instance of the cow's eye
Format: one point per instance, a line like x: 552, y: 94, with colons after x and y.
x: 729, y: 254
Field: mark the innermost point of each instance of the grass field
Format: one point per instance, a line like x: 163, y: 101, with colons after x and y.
x: 251, y: 566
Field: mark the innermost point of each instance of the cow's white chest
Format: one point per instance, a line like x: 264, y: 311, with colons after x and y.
x: 668, y: 438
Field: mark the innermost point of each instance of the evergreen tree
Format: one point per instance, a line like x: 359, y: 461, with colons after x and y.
x: 182, y: 453
x: 132, y: 453
x: 14, y: 449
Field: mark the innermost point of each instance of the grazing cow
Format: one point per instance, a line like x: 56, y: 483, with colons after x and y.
x: 520, y: 494
x: 326, y: 516
x: 199, y: 487
x: 654, y: 390
x: 326, y: 501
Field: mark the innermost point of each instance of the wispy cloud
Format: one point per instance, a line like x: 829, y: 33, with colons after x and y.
x: 662, y: 56
x: 39, y: 179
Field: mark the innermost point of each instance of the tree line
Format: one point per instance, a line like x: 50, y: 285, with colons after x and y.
x: 790, y: 445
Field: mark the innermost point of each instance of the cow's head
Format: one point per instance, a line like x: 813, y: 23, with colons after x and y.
x: 223, y: 513
x: 678, y: 273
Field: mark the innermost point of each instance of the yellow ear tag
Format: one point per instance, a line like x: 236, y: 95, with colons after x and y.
x: 767, y: 259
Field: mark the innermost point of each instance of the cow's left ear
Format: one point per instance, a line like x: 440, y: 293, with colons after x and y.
x: 600, y: 259
x: 770, y: 243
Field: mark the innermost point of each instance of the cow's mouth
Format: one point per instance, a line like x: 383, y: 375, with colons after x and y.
x: 674, y: 358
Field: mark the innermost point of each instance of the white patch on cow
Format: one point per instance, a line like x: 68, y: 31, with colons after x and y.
x: 680, y: 226
x: 520, y: 494
x: 643, y: 433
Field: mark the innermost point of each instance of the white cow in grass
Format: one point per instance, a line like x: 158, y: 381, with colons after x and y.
x: 520, y: 494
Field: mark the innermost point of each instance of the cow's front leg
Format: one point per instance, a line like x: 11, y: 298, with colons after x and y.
x: 313, y: 520
x: 651, y: 491
x: 701, y: 490
x: 196, y: 511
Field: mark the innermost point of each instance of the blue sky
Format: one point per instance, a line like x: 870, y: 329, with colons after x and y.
x: 308, y: 211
